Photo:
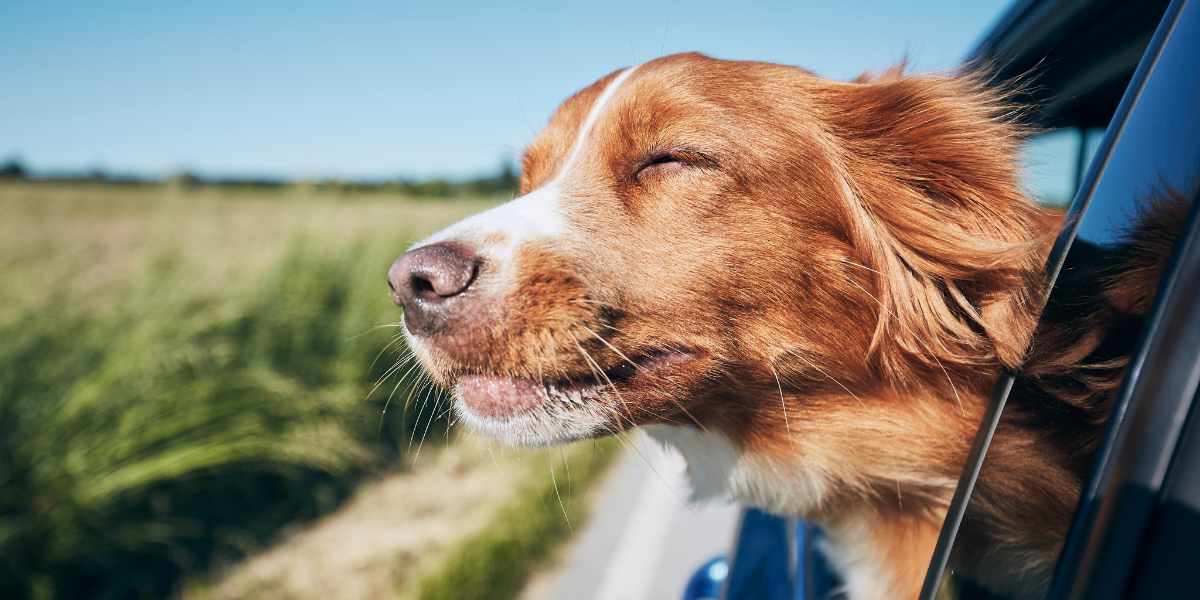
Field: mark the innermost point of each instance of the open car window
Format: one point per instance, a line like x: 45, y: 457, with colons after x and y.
x: 1148, y: 162
x: 1117, y: 89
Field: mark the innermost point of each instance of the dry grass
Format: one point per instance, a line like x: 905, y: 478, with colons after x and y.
x: 407, y: 535
x: 98, y: 234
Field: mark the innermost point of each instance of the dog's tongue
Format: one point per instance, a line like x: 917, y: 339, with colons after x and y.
x: 498, y: 396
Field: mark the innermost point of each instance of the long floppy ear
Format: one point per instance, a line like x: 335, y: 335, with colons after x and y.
x: 931, y: 169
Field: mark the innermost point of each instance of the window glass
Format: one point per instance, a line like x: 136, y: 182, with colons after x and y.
x: 1053, y: 163
x: 1054, y: 423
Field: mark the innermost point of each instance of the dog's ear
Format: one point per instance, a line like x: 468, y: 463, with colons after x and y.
x: 935, y: 206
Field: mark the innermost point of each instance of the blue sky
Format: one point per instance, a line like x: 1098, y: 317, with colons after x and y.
x: 383, y: 89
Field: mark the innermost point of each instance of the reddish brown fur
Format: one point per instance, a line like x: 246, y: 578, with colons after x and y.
x: 850, y: 264
x: 1047, y: 440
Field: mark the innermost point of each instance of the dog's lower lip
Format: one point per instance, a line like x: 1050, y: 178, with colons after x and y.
x: 501, y: 396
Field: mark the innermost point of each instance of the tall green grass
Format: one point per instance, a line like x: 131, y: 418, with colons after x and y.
x: 176, y: 414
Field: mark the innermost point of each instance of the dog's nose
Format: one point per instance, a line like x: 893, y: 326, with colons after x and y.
x: 427, y: 282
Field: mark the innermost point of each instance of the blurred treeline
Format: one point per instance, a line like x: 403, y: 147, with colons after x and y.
x: 504, y: 184
x: 180, y: 379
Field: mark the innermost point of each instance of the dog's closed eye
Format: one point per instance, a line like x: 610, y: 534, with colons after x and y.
x: 664, y: 164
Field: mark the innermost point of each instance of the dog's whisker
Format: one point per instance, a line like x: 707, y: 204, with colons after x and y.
x: 391, y: 371
x: 419, y: 388
x: 376, y: 328
x: 554, y: 481
x: 599, y: 373
x: 650, y: 464
x: 433, y: 391
x: 587, y: 482
x: 614, y: 349
x: 385, y: 349
x: 850, y: 262
x: 404, y: 358
x: 493, y: 455
x: 643, y: 370
x: 797, y: 354
x: 916, y: 337
x: 422, y: 387
x: 567, y: 467
x: 383, y: 414
x: 412, y: 388
x: 783, y: 403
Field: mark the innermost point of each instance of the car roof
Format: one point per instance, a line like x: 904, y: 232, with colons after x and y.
x: 1079, y: 54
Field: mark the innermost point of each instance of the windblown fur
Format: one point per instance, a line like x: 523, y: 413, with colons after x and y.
x: 807, y: 286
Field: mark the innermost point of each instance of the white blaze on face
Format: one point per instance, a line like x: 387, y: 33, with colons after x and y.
x: 495, y: 236
x: 536, y: 215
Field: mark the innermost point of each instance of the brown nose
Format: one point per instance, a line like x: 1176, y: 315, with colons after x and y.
x: 429, y: 282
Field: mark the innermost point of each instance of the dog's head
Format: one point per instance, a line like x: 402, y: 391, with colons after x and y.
x: 697, y: 238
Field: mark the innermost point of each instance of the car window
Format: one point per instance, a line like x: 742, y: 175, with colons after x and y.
x: 1055, y: 162
x: 1144, y: 175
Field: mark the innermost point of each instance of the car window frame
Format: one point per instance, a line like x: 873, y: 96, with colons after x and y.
x: 1077, y: 543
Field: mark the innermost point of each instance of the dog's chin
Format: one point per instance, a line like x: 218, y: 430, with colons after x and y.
x: 521, y: 411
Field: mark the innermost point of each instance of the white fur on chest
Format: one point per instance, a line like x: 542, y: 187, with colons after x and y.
x: 719, y: 469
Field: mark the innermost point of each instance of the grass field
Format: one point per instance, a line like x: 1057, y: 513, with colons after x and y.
x: 183, y: 370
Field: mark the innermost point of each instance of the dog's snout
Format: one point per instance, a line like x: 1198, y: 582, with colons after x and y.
x: 433, y: 272
x: 427, y: 283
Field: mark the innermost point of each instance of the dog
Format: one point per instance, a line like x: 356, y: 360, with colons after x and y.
x: 808, y: 287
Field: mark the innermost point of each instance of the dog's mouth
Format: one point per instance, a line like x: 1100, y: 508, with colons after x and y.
x: 504, y: 396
